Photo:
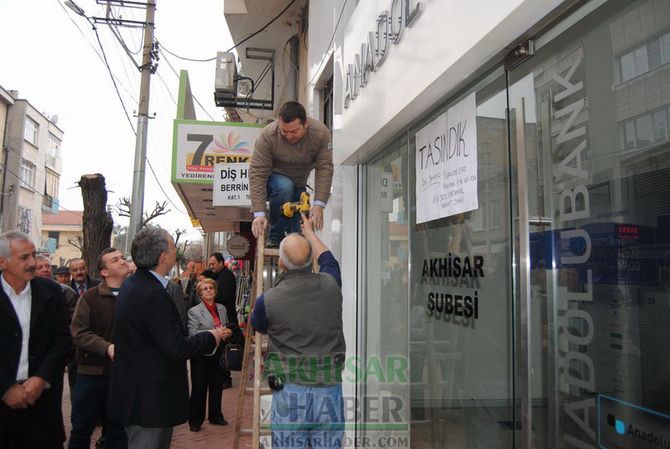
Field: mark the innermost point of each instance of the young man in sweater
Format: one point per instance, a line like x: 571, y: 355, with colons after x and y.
x: 92, y: 326
x: 284, y: 156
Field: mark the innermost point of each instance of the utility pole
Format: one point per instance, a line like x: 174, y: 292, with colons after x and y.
x: 147, y: 68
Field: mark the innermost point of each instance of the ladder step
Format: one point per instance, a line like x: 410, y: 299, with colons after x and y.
x: 264, y: 391
x: 271, y: 252
x: 264, y: 431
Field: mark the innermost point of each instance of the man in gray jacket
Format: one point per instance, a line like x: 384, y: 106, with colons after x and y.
x: 92, y: 326
x: 284, y: 156
x: 302, y: 317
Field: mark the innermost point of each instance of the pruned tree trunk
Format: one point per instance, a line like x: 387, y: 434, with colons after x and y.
x: 97, y: 220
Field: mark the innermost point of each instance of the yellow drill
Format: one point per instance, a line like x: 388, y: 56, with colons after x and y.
x: 288, y: 208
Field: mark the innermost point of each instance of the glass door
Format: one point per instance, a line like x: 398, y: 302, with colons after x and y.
x: 591, y: 150
x: 461, y: 295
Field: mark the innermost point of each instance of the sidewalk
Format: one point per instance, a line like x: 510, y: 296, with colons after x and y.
x: 210, y: 437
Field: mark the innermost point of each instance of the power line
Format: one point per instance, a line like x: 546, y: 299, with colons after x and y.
x: 237, y: 44
x: 160, y: 48
x: 263, y: 28
x: 27, y: 185
x: 185, y: 58
x: 125, y: 110
x: 91, y: 45
x: 325, y: 54
x: 109, y: 69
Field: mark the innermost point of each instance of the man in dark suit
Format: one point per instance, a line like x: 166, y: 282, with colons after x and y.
x: 35, y: 340
x: 226, y: 295
x: 149, y: 383
x: 81, y: 281
x: 226, y: 285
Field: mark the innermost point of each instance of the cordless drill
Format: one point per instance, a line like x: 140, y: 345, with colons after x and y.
x: 289, y: 208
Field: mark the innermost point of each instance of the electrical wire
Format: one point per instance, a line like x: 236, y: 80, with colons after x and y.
x: 125, y: 110
x: 325, y: 54
x: 263, y: 28
x: 91, y: 45
x: 237, y: 44
x: 109, y: 69
x: 185, y: 58
x: 160, y: 49
x: 26, y: 185
x: 121, y: 40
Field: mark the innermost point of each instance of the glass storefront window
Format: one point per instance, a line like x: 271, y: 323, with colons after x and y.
x: 597, y: 225
x: 384, y: 387
x: 461, y: 323
x: 569, y: 345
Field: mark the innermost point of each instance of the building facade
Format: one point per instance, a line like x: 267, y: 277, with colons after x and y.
x: 526, y: 304
x: 65, y: 229
x: 31, y: 169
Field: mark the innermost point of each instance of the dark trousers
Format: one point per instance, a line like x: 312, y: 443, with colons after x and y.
x: 149, y: 437
x: 206, y: 377
x: 89, y: 402
x: 27, y: 428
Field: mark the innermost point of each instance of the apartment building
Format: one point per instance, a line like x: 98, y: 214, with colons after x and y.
x: 31, y: 169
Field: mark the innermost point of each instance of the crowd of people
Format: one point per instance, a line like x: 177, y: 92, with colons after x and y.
x: 124, y: 338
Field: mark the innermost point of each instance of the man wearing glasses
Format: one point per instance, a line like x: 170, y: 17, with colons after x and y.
x: 284, y: 156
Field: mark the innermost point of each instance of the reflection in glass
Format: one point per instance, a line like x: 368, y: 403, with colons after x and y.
x: 460, y: 362
x: 385, y: 358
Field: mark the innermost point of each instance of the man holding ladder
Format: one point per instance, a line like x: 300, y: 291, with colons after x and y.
x: 302, y: 316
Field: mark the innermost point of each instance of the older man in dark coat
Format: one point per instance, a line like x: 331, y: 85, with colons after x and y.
x: 149, y: 382
x: 35, y: 340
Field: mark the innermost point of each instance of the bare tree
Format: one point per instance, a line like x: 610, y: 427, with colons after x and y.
x: 193, y: 251
x: 124, y: 205
x: 181, y: 248
x: 97, y: 220
x: 77, y: 242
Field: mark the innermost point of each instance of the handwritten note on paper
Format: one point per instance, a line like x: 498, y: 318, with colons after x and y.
x: 446, y: 163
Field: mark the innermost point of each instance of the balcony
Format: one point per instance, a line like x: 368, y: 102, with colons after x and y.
x: 49, y: 204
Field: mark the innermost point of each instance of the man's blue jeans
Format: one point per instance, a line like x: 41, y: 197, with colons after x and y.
x: 302, y: 415
x: 89, y: 402
x: 281, y: 189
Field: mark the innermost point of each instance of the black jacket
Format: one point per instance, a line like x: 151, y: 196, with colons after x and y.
x: 149, y: 384
x: 226, y: 292
x: 90, y: 283
x: 49, y: 344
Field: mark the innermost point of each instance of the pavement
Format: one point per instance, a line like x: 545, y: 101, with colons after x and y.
x: 210, y: 437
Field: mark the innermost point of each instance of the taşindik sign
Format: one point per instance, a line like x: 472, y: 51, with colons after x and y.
x: 446, y: 163
x: 198, y: 146
x: 238, y: 246
x: 231, y: 185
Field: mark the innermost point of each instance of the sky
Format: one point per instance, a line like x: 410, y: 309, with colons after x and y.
x: 52, y: 57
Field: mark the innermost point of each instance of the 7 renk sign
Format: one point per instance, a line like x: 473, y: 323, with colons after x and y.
x: 199, y: 146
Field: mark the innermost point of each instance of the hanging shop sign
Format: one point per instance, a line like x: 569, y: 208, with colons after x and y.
x: 238, y: 246
x: 199, y: 146
x: 387, y: 29
x: 446, y: 163
x: 231, y: 185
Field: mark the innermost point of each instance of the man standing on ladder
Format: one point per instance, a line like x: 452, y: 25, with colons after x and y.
x: 285, y: 154
x: 302, y: 317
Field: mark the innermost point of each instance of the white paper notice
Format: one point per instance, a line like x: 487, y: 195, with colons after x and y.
x: 446, y: 163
